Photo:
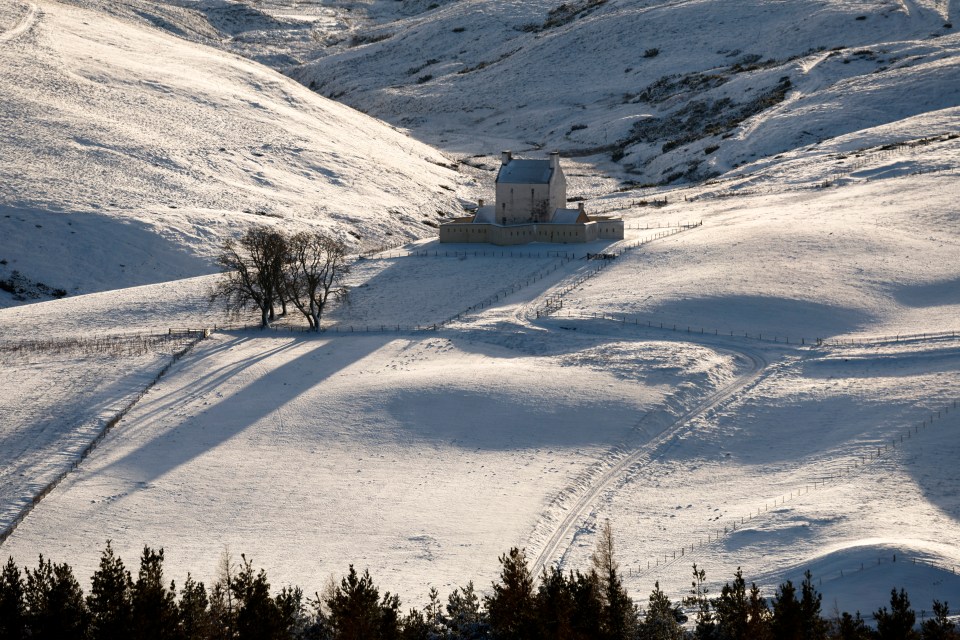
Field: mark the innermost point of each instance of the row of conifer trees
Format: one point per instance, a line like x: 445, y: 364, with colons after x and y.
x: 47, y: 602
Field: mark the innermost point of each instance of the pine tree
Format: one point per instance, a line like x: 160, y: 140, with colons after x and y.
x: 897, y: 624
x: 620, y: 616
x: 699, y: 600
x: 358, y: 613
x: 732, y: 610
x: 812, y: 624
x: 847, y: 627
x: 555, y: 605
x: 511, y: 606
x: 194, y: 617
x: 415, y: 627
x: 786, y: 613
x: 13, y: 607
x: 154, y: 607
x: 223, y: 613
x: 55, y: 606
x: 662, y: 619
x: 293, y: 617
x: 588, y: 605
x: 465, y: 619
x: 758, y: 616
x: 940, y: 627
x: 258, y: 617
x: 109, y: 601
x: 427, y: 623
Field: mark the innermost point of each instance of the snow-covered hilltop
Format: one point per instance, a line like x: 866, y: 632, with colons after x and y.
x: 672, y: 90
x: 129, y: 154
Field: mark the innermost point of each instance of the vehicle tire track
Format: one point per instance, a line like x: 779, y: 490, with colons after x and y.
x: 563, y: 533
x: 24, y: 25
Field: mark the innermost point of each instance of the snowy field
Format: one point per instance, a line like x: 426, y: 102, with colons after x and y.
x: 425, y: 453
x: 790, y: 265
x: 358, y: 448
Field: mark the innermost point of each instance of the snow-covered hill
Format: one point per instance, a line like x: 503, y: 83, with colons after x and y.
x: 423, y: 455
x: 127, y: 155
x: 671, y: 90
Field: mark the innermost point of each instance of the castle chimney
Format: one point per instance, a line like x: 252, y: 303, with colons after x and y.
x: 581, y: 207
x: 554, y: 159
x: 479, y: 203
x: 505, y: 157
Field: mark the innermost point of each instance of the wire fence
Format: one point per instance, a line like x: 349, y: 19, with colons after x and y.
x: 190, y: 336
x: 387, y: 254
x: 554, y: 302
x: 554, y: 306
x: 342, y: 328
x: 631, y: 204
x: 601, y: 260
x: 832, y: 478
x: 504, y: 253
x: 121, y: 344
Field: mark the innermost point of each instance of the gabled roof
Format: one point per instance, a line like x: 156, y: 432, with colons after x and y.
x: 485, y: 215
x: 519, y: 171
x: 568, y: 216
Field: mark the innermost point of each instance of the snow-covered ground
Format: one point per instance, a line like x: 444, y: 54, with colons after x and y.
x: 130, y: 154
x: 423, y: 454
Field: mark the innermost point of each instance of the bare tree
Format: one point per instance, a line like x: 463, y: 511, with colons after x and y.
x: 315, y: 273
x: 253, y: 268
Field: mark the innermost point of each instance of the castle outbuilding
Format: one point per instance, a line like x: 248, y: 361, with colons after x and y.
x: 531, y: 198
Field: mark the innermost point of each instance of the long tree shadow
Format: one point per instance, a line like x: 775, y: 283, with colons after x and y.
x: 175, y: 433
x: 767, y: 315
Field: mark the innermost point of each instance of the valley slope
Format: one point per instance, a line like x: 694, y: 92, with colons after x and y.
x: 130, y: 154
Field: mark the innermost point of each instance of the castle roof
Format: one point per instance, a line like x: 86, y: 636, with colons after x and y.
x: 519, y: 171
x: 568, y: 216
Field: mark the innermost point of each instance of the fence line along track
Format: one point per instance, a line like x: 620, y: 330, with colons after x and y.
x: 553, y: 307
x: 643, y: 454
x: 194, y: 336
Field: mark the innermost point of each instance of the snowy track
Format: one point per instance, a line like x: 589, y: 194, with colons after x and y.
x: 28, y: 19
x: 564, y: 532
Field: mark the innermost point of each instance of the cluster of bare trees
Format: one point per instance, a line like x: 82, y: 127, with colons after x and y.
x: 268, y: 270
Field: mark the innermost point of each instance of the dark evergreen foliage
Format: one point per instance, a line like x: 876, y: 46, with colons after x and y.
x: 940, y: 627
x: 812, y: 624
x: 154, y: 606
x: 257, y: 615
x: 896, y: 624
x: 588, y: 613
x: 731, y: 609
x: 110, y: 599
x: 47, y: 603
x: 699, y: 600
x: 848, y: 627
x: 12, y: 604
x: 357, y: 612
x: 55, y: 608
x: 663, y: 619
x: 194, y: 614
x: 556, y: 606
x: 466, y: 619
x: 511, y: 605
x: 786, y: 613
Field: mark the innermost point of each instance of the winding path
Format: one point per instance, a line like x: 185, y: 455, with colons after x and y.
x: 564, y: 532
x: 25, y: 23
